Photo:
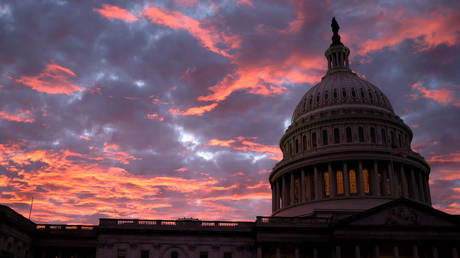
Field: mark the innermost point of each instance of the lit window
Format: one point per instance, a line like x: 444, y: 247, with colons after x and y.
x: 327, y: 190
x: 352, y: 177
x: 339, y: 176
x: 366, y: 180
x: 388, y: 186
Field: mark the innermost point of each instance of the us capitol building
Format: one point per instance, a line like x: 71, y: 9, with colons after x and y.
x: 348, y: 186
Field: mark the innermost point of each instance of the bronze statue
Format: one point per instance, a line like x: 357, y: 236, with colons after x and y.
x: 335, y: 29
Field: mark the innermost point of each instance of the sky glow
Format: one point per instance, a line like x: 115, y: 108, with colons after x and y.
x: 168, y: 109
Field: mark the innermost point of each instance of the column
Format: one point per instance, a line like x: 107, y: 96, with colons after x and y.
x: 278, y: 253
x: 395, y: 251
x: 296, y: 253
x: 346, y: 180
x: 375, y: 180
x: 360, y: 178
x: 393, y: 183
x: 259, y: 252
x: 434, y: 250
x: 405, y: 190
x: 277, y: 194
x: 415, y: 251
x: 302, y: 186
x: 454, y: 252
x: 357, y: 251
x: 309, y: 197
x: 292, y: 188
x: 414, y: 184
x: 316, y: 183
x: 376, y: 251
x: 273, y: 197
x: 338, y: 252
x: 283, y: 191
x: 332, y: 186
x: 420, y: 187
x: 428, y: 193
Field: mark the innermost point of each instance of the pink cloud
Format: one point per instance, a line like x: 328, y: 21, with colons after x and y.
x: 245, y: 144
x: 194, y: 111
x: 22, y: 116
x: 443, y: 96
x: 115, y: 12
x: 54, y: 79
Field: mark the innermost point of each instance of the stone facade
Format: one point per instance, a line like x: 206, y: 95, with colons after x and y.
x: 349, y: 186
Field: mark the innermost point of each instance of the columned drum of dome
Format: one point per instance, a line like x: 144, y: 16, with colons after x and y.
x: 345, y: 149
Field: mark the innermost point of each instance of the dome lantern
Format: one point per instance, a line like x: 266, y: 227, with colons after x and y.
x: 337, y: 53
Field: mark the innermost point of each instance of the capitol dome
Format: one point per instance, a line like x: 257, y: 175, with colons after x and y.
x: 345, y: 150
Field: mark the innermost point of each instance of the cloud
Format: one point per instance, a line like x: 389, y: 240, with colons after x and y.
x: 443, y: 96
x: 428, y: 29
x: 21, y: 116
x: 246, y: 145
x: 115, y: 12
x: 198, y: 111
x: 54, y: 79
x: 177, y: 21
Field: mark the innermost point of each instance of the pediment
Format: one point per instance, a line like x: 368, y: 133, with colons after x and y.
x: 402, y: 213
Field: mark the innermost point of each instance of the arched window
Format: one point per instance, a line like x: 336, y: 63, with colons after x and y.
x: 317, y: 99
x: 335, y: 93
x: 336, y: 135
x: 327, y: 189
x: 353, y: 93
x: 325, y: 139
x: 174, y: 254
x: 344, y: 92
x: 313, y: 139
x: 352, y: 178
x: 372, y: 134
x: 370, y: 96
x: 349, y: 138
x: 339, y: 176
x: 304, y: 142
x: 296, y: 146
x: 399, y: 140
x: 362, y: 92
x: 326, y: 96
x: 366, y: 181
x: 361, y: 134
x: 393, y: 141
x: 384, y: 136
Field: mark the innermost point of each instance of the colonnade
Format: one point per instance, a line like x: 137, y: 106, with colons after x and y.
x: 350, y: 178
x: 358, y: 251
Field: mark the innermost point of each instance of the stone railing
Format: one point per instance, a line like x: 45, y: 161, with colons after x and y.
x: 173, y: 224
x: 62, y: 227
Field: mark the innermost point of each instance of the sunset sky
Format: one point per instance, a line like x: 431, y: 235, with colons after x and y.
x: 169, y: 109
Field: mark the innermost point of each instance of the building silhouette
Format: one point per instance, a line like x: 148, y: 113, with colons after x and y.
x: 348, y: 186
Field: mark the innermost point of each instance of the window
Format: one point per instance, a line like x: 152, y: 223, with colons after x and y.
x: 313, y: 140
x: 361, y: 134
x: 384, y: 136
x: 393, y: 144
x: 291, y: 150
x: 203, y: 254
x: 311, y: 101
x: 352, y: 178
x: 325, y: 140
x: 362, y: 92
x: 306, y: 186
x: 174, y: 254
x: 326, y: 96
x: 387, y: 180
x: 399, y: 140
x: 327, y: 190
x: 121, y: 253
x: 349, y: 138
x: 296, y: 146
x: 366, y: 181
x: 335, y: 93
x: 372, y: 134
x: 344, y: 93
x: 304, y: 142
x: 145, y: 254
x: 296, y: 190
x: 227, y: 255
x: 339, y: 176
x: 381, y: 184
x: 336, y: 135
x: 370, y: 96
x: 353, y: 93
